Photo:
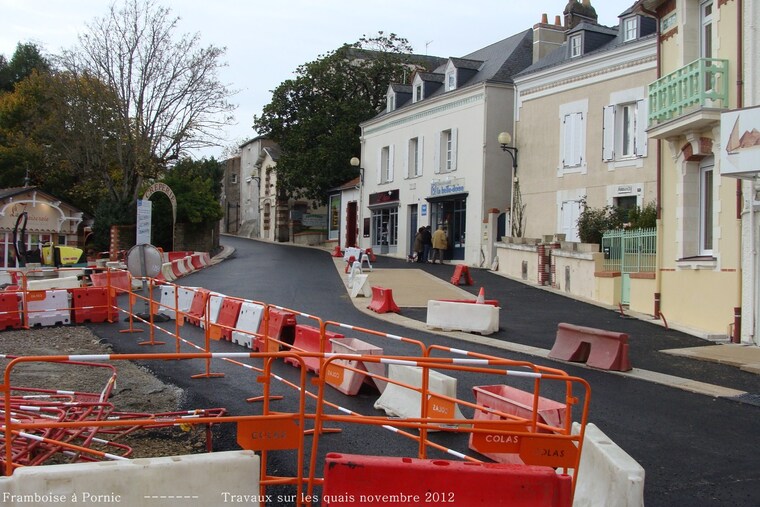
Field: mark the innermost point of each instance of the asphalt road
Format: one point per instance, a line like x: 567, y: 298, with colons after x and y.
x: 696, y: 449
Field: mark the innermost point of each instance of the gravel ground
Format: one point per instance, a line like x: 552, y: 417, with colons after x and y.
x: 136, y: 389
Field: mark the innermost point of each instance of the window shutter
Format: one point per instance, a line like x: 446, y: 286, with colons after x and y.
x: 567, y: 140
x: 642, y: 117
x: 437, y: 154
x: 419, y: 156
x: 379, y: 166
x: 406, y: 158
x: 454, y: 137
x: 608, y: 133
x: 390, y: 163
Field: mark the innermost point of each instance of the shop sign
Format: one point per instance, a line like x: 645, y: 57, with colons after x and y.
x: 450, y: 187
x: 383, y: 197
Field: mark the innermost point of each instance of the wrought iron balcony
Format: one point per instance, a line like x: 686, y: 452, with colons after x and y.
x: 701, y: 84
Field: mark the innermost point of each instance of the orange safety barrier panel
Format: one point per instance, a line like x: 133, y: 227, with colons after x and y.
x: 382, y: 301
x: 461, y: 271
x: 607, y: 350
x: 352, y: 479
x: 175, y: 256
x: 118, y: 280
x: 512, y: 401
x: 227, y: 318
x: 10, y: 316
x: 197, y: 307
x: 196, y: 261
x: 91, y: 304
x: 281, y: 327
x: 309, y: 339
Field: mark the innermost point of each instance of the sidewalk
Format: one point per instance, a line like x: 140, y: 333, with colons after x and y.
x: 658, y: 354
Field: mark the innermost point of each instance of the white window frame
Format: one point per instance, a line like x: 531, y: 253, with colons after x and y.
x: 413, y: 160
x: 391, y: 102
x: 706, y: 11
x: 572, y: 142
x: 576, y: 45
x: 630, y: 29
x: 446, y: 151
x: 613, y: 126
x: 706, y: 206
x: 418, y: 92
x: 385, y: 164
x: 233, y: 178
x: 451, y: 80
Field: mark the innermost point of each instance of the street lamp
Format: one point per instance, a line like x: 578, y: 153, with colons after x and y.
x: 505, y: 139
x: 355, y: 162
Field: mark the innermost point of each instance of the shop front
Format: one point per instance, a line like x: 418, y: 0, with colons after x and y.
x: 384, y: 208
x: 448, y: 208
x: 48, y: 220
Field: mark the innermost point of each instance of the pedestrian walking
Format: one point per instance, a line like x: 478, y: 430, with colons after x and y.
x: 440, y: 243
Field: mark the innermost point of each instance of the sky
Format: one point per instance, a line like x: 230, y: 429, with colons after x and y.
x: 266, y: 41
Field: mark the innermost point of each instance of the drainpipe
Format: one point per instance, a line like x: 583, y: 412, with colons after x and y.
x: 736, y: 338
x: 658, y: 192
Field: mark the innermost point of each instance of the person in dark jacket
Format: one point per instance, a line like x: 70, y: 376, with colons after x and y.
x: 418, y: 244
x: 427, y: 243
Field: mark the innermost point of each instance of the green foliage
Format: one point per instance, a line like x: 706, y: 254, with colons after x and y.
x: 26, y: 59
x: 643, y: 218
x: 108, y: 213
x: 593, y: 222
x: 315, y: 116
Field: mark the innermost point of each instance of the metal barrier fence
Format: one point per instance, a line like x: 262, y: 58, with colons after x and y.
x: 630, y: 250
x: 524, y: 435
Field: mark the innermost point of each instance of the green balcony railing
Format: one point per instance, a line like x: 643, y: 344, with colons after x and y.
x: 702, y: 83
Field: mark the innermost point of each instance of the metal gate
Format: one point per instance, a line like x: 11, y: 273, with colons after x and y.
x: 629, y: 251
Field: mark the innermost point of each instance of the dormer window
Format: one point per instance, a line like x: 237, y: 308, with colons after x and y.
x: 575, y: 46
x: 451, y: 80
x: 630, y: 29
x: 391, y: 102
x: 418, y: 92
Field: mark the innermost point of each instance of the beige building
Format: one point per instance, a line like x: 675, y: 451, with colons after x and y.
x: 699, y: 242
x: 581, y: 117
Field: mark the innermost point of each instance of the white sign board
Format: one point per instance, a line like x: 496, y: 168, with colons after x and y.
x: 144, y: 208
x: 740, y: 143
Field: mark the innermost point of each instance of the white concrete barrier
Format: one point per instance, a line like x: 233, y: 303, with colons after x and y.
x: 166, y: 270
x: 351, y: 381
x: 198, y: 479
x: 359, y: 284
x: 608, y: 475
x: 468, y: 317
x: 214, y: 304
x: 249, y: 319
x: 69, y: 282
x: 48, y: 308
x: 167, y: 301
x: 399, y: 401
x: 185, y: 296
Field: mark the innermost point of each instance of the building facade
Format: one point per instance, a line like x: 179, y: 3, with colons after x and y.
x: 432, y: 157
x: 700, y: 226
x: 581, y: 121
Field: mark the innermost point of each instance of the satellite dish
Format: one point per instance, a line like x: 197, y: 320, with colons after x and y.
x: 144, y: 261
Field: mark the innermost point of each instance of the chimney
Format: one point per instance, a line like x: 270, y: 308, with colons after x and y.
x: 576, y: 13
x: 546, y: 37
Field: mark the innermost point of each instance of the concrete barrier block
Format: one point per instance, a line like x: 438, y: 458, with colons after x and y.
x: 468, y: 317
x: 400, y: 401
x: 608, y: 475
x: 69, y: 282
x: 199, y: 479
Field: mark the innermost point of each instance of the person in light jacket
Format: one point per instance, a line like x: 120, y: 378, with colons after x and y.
x: 440, y: 243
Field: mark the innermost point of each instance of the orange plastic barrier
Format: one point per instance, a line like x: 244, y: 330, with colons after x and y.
x: 196, y: 261
x: 347, y: 376
x: 282, y: 327
x: 118, y: 280
x: 197, y: 307
x: 91, y: 304
x: 308, y: 339
x: 352, y: 479
x: 227, y: 319
x: 512, y: 401
x: 382, y: 301
x: 461, y: 271
x: 10, y: 317
x: 175, y: 256
x: 607, y: 350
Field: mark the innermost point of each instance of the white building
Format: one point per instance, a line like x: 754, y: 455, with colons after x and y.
x: 432, y: 157
x: 250, y: 176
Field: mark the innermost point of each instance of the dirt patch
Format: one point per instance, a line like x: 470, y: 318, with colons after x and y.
x: 135, y: 390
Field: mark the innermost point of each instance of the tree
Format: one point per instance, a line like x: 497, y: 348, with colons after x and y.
x: 593, y: 222
x: 315, y: 116
x: 168, y: 98
x: 26, y: 59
